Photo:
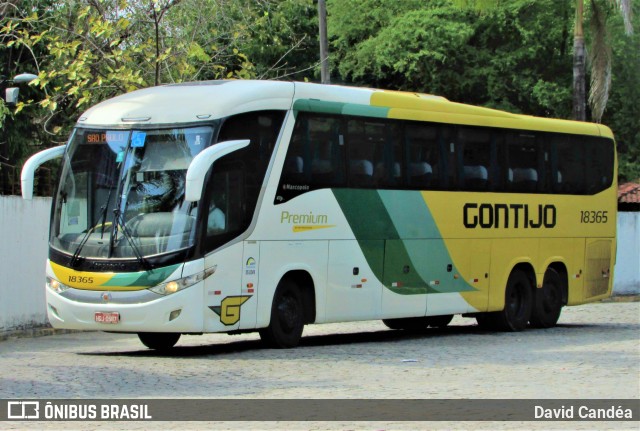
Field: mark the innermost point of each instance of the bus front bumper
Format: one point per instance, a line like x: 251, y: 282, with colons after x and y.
x: 127, y: 311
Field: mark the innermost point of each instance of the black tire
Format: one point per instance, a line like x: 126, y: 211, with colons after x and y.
x: 547, y: 303
x: 159, y: 340
x: 407, y: 323
x: 287, y: 317
x: 518, y: 303
x: 439, y: 321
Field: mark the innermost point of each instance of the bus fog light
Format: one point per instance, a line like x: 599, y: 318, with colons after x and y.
x: 174, y: 314
x: 54, y: 311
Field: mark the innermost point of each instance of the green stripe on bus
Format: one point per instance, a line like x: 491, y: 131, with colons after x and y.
x: 338, y: 108
x: 416, y: 258
x: 409, y: 214
x: 366, y: 214
x: 142, y: 278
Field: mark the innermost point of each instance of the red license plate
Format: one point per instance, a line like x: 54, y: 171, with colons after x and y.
x: 107, y: 317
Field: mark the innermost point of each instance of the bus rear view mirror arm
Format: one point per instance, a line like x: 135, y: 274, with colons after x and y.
x: 33, y: 163
x: 202, y: 162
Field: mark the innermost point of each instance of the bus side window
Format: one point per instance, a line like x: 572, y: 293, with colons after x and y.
x: 226, y: 213
x: 598, y: 164
x: 325, y: 146
x: 296, y: 172
x: 296, y: 166
x: 389, y: 164
x: 315, y: 157
x: 570, y: 171
x: 523, y: 163
x: 556, y: 180
x: 475, y: 145
x: 424, y: 165
x: 365, y: 143
x: 497, y: 176
x: 232, y: 190
x: 262, y: 129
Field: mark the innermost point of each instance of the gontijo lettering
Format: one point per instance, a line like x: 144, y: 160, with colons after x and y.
x: 509, y: 215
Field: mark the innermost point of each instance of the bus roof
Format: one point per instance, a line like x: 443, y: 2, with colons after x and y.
x: 201, y: 101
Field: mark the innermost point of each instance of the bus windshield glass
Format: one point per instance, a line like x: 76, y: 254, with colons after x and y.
x: 121, y: 192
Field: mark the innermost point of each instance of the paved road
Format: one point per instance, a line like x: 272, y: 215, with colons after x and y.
x: 594, y: 352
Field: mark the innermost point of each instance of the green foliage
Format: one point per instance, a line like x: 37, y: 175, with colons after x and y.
x: 17, y: 138
x: 512, y: 58
x: 402, y: 54
x: 281, y: 39
x: 86, y: 51
x: 623, y: 110
x: 512, y: 55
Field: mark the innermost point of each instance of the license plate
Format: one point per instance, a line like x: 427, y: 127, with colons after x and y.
x: 107, y: 317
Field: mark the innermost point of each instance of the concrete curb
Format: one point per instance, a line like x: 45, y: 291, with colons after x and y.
x: 41, y: 331
x: 623, y: 298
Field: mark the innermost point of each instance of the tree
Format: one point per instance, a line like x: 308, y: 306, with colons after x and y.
x: 600, y: 52
x: 280, y: 37
x: 513, y: 59
x: 85, y: 51
x: 623, y: 111
x: 599, y: 55
x: 16, y: 137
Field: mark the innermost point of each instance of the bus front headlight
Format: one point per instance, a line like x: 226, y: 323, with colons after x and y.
x: 182, y: 283
x: 56, y: 286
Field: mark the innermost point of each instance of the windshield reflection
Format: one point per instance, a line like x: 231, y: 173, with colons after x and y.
x: 121, y: 193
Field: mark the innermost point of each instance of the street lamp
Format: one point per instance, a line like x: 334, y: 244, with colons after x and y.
x: 11, y: 98
x: 11, y: 93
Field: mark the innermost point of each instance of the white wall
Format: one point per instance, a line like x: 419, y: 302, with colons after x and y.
x: 627, y: 271
x: 24, y: 227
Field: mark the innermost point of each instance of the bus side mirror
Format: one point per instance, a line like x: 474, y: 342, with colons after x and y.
x: 30, y: 166
x: 202, y: 162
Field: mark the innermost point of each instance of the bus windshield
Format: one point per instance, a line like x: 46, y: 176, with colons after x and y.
x: 121, y: 192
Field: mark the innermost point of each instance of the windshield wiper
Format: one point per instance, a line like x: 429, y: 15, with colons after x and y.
x: 119, y: 223
x: 75, y: 259
x: 103, y: 209
x: 103, y: 215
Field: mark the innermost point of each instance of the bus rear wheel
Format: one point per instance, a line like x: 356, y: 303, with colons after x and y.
x: 518, y: 303
x: 287, y: 317
x: 547, y: 303
x: 159, y: 340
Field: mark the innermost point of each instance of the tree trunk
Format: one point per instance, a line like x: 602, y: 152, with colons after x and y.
x: 579, y: 67
x: 579, y: 83
x: 324, y: 44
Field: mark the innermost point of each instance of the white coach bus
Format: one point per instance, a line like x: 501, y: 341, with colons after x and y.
x: 238, y: 206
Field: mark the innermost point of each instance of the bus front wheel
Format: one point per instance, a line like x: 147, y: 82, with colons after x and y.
x: 547, y: 301
x: 287, y: 317
x: 159, y: 340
